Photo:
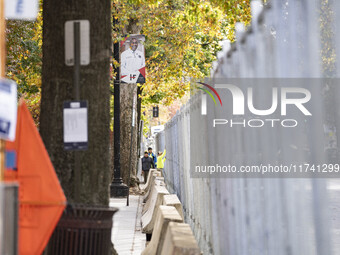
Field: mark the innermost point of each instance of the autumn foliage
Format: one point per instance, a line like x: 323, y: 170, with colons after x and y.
x: 182, y: 39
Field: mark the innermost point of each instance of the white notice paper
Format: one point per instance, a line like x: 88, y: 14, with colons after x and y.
x: 21, y: 9
x: 75, y: 125
x: 8, y: 109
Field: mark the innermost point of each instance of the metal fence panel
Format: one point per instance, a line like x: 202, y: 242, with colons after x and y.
x: 243, y: 216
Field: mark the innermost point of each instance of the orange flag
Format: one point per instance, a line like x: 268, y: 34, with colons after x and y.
x: 41, y: 198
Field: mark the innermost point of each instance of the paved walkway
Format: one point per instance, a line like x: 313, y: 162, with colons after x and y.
x: 127, y: 236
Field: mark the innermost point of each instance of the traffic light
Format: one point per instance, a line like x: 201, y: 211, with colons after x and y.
x: 155, y: 111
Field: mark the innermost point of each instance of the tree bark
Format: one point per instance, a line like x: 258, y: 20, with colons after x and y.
x: 89, y: 183
x: 127, y: 92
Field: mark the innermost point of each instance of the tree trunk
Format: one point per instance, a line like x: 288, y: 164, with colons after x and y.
x: 127, y: 92
x: 87, y: 181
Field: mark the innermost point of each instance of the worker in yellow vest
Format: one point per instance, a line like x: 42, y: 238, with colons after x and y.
x: 160, y: 161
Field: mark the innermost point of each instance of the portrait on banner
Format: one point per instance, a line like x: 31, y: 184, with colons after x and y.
x: 132, y: 59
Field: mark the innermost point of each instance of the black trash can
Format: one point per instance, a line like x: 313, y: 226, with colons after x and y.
x: 82, y: 231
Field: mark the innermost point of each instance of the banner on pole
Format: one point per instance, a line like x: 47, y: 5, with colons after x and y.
x: 132, y: 59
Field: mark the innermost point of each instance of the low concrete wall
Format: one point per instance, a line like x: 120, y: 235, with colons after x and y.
x: 150, y: 209
x: 179, y: 240
x: 165, y: 215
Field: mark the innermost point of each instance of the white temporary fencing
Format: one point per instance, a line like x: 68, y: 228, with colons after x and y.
x: 264, y: 215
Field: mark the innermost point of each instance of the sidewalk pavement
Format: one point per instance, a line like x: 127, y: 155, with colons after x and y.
x: 127, y: 234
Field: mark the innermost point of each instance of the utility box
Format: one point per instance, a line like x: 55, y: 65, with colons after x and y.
x: 8, y: 219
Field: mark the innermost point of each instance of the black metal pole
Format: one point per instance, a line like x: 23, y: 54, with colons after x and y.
x: 76, y: 78
x: 131, y: 143
x: 76, y: 27
x: 117, y: 188
x: 116, y: 117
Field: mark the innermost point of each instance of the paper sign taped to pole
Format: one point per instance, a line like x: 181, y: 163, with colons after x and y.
x: 21, y: 9
x: 75, y: 125
x: 8, y: 109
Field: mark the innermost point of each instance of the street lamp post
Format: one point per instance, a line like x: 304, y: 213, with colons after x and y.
x: 117, y: 187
